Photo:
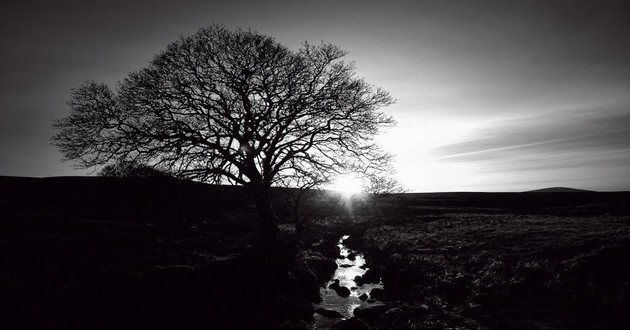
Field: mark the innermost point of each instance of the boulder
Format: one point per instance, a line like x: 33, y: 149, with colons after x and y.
x: 363, y: 296
x: 301, y: 276
x: 304, y: 311
x: 372, y: 275
x: 301, y: 281
x: 288, y: 325
x: 317, y: 299
x: 392, y: 315
x: 377, y: 293
x: 350, y: 324
x: 171, y: 273
x: 420, y: 310
x: 328, y: 313
x: 334, y: 285
x: 323, y: 267
x: 282, y: 300
x: 343, y: 291
x: 371, y: 312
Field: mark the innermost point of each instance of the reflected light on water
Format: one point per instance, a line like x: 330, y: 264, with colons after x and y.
x: 345, y: 275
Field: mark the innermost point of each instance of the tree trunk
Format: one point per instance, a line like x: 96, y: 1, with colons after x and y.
x: 267, y: 218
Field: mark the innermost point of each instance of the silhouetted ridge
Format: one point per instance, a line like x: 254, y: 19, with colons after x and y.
x: 102, y: 197
x: 558, y: 190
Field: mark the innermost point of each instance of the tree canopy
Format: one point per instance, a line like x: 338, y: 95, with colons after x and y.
x: 232, y: 106
x: 131, y: 169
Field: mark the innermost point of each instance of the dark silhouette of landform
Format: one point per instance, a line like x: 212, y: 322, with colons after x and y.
x: 559, y: 190
x: 163, y: 253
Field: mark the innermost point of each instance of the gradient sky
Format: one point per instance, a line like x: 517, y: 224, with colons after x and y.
x: 491, y: 95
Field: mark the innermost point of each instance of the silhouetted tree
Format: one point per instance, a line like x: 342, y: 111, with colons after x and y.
x: 234, y: 107
x: 380, y: 186
x: 301, y: 189
x: 132, y: 169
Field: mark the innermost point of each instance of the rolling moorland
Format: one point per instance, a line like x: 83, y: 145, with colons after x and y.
x: 104, y: 253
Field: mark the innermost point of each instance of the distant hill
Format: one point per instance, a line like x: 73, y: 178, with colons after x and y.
x: 558, y: 190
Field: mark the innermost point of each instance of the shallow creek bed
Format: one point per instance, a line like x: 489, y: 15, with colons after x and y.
x: 342, y: 295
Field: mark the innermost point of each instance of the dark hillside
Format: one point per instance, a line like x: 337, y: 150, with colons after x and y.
x: 523, y: 203
x: 558, y: 190
x: 101, y: 197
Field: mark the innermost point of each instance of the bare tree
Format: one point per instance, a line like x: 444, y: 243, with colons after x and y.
x: 132, y: 169
x: 235, y: 107
x: 299, y: 190
x: 380, y: 186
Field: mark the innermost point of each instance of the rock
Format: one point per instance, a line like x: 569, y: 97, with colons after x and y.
x: 329, y: 313
x: 377, y: 293
x: 469, y: 324
x: 304, y: 311
x: 341, y: 256
x: 392, y: 315
x: 472, y: 310
x: 352, y: 256
x: 342, y: 291
x: 175, y: 268
x: 418, y: 310
x: 288, y: 325
x: 350, y: 324
x: 323, y: 267
x: 171, y: 273
x: 334, y: 285
x: 372, y: 275
x: 301, y: 281
x: 317, y: 299
x: 301, y: 277
x: 281, y: 299
x: 363, y: 297
x: 371, y: 312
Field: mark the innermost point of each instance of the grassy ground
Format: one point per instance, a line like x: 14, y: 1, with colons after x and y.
x: 526, y: 262
x: 473, y: 261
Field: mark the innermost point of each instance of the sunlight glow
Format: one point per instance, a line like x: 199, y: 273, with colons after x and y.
x: 415, y: 144
x: 347, y: 185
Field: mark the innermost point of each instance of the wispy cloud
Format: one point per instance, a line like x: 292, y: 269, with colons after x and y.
x: 571, y: 130
x: 578, y: 146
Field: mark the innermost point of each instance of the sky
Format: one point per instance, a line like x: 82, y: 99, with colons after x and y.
x: 491, y: 95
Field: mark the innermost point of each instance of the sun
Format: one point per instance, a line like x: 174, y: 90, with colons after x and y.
x: 347, y: 185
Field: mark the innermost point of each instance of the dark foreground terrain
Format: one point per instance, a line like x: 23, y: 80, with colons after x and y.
x: 104, y: 253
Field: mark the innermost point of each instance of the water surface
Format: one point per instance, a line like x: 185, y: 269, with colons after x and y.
x: 346, y: 271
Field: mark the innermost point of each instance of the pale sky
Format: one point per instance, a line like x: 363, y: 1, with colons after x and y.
x: 491, y: 95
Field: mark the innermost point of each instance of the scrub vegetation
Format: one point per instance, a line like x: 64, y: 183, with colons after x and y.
x: 157, y: 251
x: 105, y: 252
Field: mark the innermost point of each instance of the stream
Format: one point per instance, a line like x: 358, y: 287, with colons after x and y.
x: 346, y: 271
